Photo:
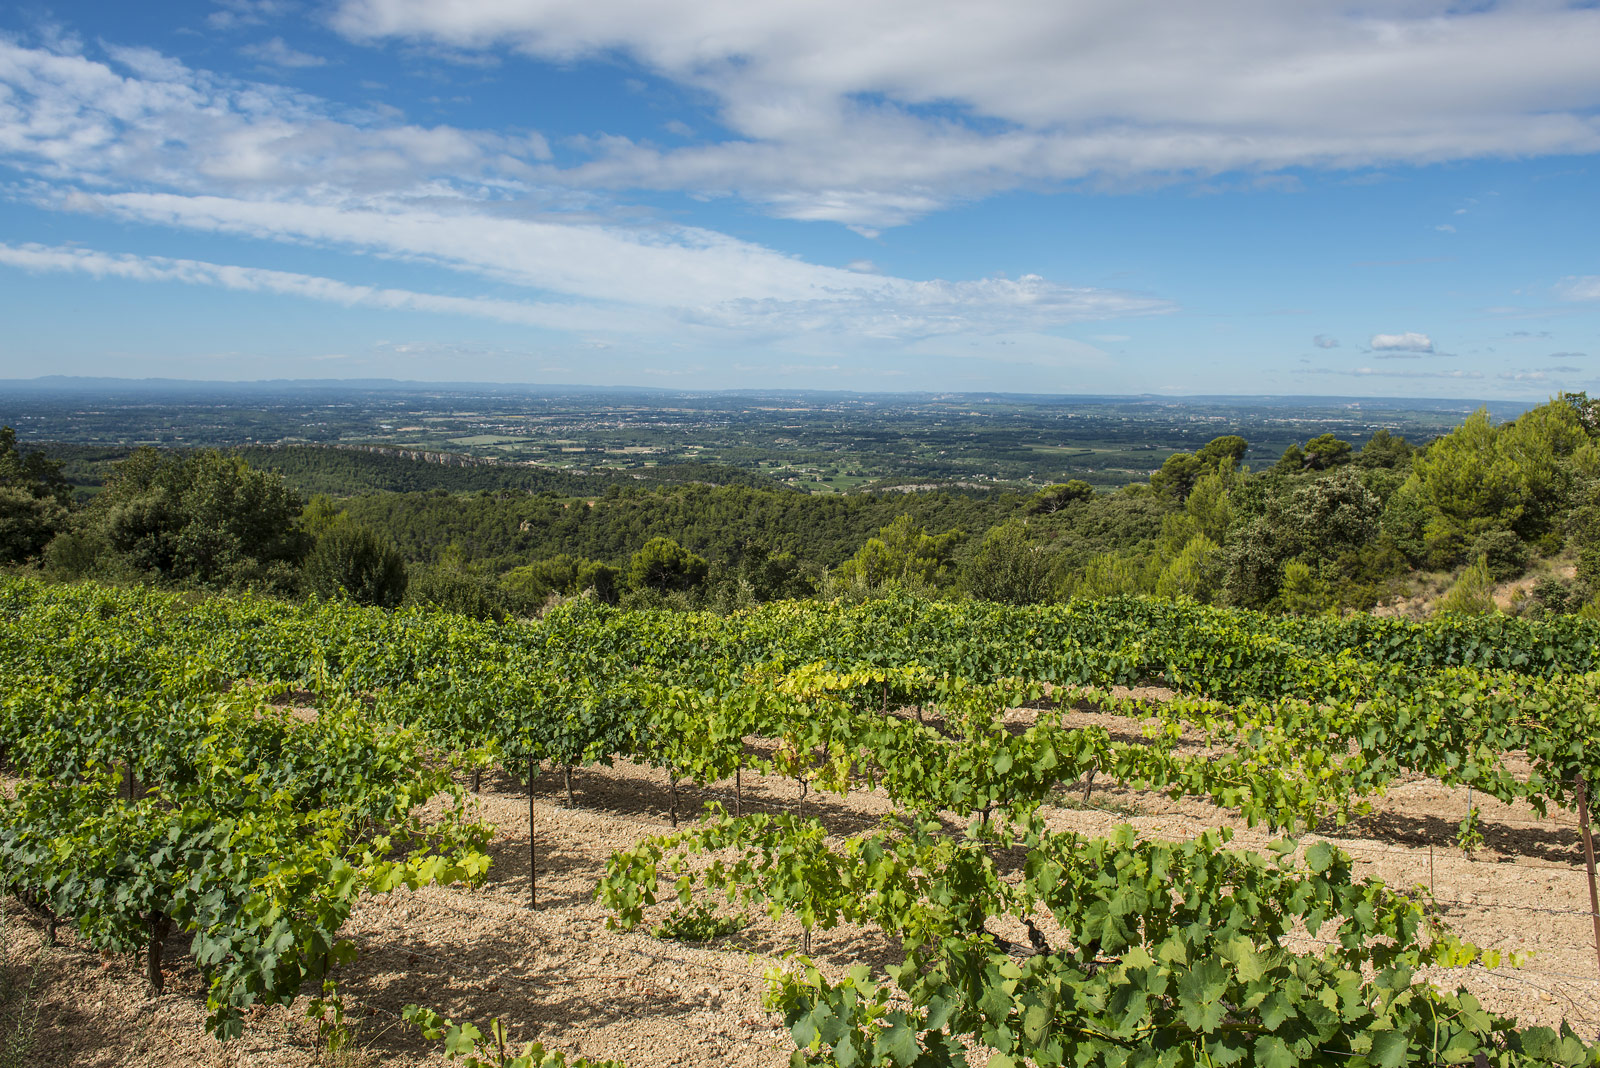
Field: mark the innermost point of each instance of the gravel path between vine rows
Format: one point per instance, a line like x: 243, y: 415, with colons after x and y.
x: 559, y: 975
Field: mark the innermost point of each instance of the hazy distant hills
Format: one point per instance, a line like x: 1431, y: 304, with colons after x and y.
x: 173, y: 387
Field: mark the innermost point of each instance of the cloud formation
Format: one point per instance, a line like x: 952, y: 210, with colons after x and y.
x: 1580, y: 287
x: 1407, y: 342
x: 275, y: 53
x: 1323, y: 341
x: 143, y: 138
x: 871, y: 114
x: 43, y: 258
x: 1385, y: 372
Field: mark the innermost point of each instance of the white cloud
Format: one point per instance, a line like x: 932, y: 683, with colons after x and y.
x: 1407, y: 342
x: 68, y: 117
x: 1580, y: 287
x: 1375, y: 372
x: 1323, y: 341
x: 154, y: 142
x: 274, y: 52
x: 870, y: 114
x: 710, y: 279
x: 1445, y: 228
x: 236, y: 14
x: 43, y: 258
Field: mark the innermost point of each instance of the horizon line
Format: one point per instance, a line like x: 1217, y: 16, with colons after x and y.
x: 87, y: 382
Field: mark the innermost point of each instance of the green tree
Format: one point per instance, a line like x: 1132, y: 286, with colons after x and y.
x: 1007, y: 567
x: 1473, y: 592
x: 1226, y: 451
x: 455, y: 589
x: 664, y: 566
x: 1331, y: 514
x: 770, y: 575
x: 1208, y: 505
x: 903, y: 554
x: 1325, y: 452
x: 1583, y: 530
x: 1517, y: 477
x: 1110, y: 574
x: 604, y: 580
x: 354, y: 561
x: 533, y: 584
x: 33, y: 500
x: 1183, y: 470
x: 1302, y: 591
x: 1052, y: 499
x: 1196, y: 572
x: 1386, y: 450
x: 1178, y: 475
x: 207, y: 519
x: 1292, y: 462
x: 318, y: 516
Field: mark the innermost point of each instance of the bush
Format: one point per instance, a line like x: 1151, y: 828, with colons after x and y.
x: 455, y: 591
x: 1504, y: 552
x: 1303, y: 592
x: 1008, y: 568
x: 356, y: 562
x: 1196, y: 572
x: 1552, y: 597
x: 1472, y: 594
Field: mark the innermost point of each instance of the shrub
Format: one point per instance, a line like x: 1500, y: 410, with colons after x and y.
x: 356, y: 562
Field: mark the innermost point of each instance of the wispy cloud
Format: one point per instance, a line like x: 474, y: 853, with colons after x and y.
x: 871, y: 114
x: 43, y: 258
x: 158, y: 143
x: 275, y: 53
x: 1580, y: 287
x: 1323, y: 341
x: 238, y: 14
x: 1386, y: 372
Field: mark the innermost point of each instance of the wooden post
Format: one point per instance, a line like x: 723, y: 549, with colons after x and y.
x: 1588, y: 856
x: 738, y: 795
x: 533, y: 860
x: 160, y: 927
x: 672, y: 785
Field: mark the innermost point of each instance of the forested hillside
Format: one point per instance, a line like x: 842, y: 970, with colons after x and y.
x: 1328, y: 527
x: 718, y: 522
x: 347, y: 470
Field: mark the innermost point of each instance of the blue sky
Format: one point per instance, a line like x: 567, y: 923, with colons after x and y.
x: 1105, y: 196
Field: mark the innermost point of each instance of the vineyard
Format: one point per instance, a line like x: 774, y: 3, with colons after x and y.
x: 1120, y: 832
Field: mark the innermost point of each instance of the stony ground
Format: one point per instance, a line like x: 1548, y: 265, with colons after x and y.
x: 559, y: 975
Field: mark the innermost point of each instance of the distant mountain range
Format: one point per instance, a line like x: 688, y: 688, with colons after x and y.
x: 105, y: 386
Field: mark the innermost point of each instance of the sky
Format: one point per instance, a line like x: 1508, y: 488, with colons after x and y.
x: 1394, y: 198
